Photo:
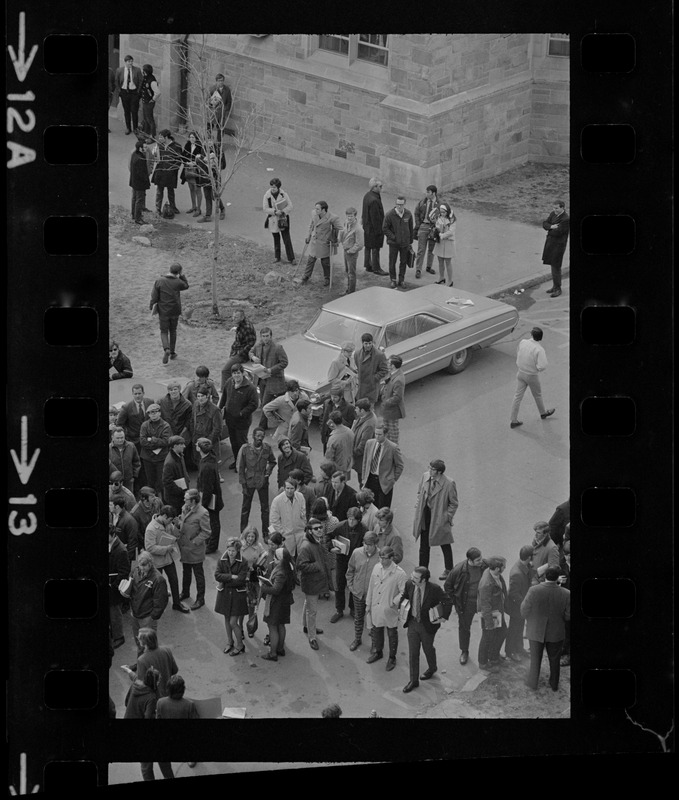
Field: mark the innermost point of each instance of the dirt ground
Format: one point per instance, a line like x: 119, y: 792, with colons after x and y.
x: 516, y: 195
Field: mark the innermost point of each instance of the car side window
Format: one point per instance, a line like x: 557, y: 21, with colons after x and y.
x: 399, y: 331
x: 425, y: 322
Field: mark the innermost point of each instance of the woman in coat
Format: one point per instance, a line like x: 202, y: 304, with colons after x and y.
x: 277, y: 206
x: 154, y: 437
x: 167, y: 169
x: 231, y: 575
x: 139, y: 182
x: 278, y: 601
x: 192, y: 149
x: 256, y: 554
x: 445, y: 249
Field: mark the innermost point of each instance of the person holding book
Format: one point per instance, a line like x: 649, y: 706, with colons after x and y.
x: 175, y: 477
x: 277, y: 589
x: 194, y: 532
x: 160, y: 542
x: 347, y: 536
x: 491, y: 600
x: 314, y: 567
x: 231, y: 575
x: 321, y: 511
x: 423, y: 605
x: 256, y: 554
x: 277, y: 207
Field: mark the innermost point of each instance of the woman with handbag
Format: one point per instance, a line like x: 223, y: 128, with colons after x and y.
x: 277, y: 206
x: 278, y: 594
x: 254, y: 552
x: 444, y: 249
x: 231, y: 575
x: 192, y: 149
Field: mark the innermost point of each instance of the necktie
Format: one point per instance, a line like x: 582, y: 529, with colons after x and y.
x: 417, y: 603
x: 127, y: 78
x: 140, y: 410
x: 376, y: 458
x: 429, y: 491
x: 428, y: 210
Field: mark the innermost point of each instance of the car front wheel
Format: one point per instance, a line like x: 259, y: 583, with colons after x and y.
x: 459, y: 361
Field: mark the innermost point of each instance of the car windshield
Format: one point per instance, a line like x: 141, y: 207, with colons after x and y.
x: 334, y: 329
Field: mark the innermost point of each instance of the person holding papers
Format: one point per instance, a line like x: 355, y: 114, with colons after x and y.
x: 348, y: 535
x: 194, y: 532
x: 175, y: 477
x: 277, y: 589
x: 423, y: 604
x: 491, y: 601
x: 277, y: 207
x: 154, y: 437
x: 160, y: 540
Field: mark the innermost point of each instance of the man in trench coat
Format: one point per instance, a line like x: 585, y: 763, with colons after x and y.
x: 434, y: 512
x: 557, y: 226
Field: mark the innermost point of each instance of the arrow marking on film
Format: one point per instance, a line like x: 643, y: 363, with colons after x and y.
x: 23, y: 467
x: 21, y: 63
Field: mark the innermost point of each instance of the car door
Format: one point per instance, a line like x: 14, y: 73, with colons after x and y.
x: 424, y: 341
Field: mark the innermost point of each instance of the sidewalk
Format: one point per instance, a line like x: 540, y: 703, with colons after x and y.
x: 492, y: 253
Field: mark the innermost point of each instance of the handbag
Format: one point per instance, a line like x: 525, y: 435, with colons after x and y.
x: 251, y: 626
x: 435, y: 234
x: 283, y: 222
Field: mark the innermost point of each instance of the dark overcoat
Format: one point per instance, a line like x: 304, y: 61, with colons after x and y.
x: 555, y: 245
x: 372, y: 219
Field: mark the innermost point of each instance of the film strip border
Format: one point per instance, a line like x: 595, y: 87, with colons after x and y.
x: 621, y: 411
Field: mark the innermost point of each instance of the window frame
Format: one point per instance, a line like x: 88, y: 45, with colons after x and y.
x: 558, y: 39
x: 352, y: 56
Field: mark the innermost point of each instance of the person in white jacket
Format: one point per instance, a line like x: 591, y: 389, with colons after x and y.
x: 387, y: 584
x: 288, y: 515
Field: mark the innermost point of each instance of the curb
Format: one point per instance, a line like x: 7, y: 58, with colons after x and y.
x: 525, y: 283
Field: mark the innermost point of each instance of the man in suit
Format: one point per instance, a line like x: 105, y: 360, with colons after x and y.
x: 545, y: 552
x: 128, y: 82
x: 130, y: 418
x: 422, y: 596
x: 436, y: 506
x: 557, y: 226
x: 341, y: 497
x: 393, y: 404
x: 382, y: 467
x: 520, y: 579
x: 546, y: 609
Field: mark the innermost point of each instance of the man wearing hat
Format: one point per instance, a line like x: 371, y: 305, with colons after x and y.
x: 531, y: 361
x: 154, y: 437
x: 371, y: 368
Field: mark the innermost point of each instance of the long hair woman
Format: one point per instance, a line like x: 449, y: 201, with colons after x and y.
x: 231, y: 576
x: 192, y: 149
x: 278, y: 601
x: 445, y: 249
x: 256, y: 554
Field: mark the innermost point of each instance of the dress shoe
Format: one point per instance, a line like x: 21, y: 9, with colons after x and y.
x: 430, y: 270
x: 515, y: 424
x: 355, y: 645
x: 549, y: 291
x: 173, y: 356
x: 464, y: 657
x: 554, y: 688
x: 139, y: 222
x: 128, y: 132
x: 394, y: 284
x: 428, y: 674
x: 391, y: 663
x: 222, y: 214
x: 176, y: 211
x: 318, y: 630
x: 450, y: 284
x: 516, y: 658
x: 237, y: 651
x: 547, y: 413
x: 337, y: 616
x: 440, y: 283
x: 276, y: 261
x: 379, y: 272
x: 418, y: 274
x: 191, y: 210
x: 401, y: 285
x: 228, y: 649
x: 232, y: 465
x: 373, y: 657
x: 198, y: 604
x: 269, y: 657
x: 146, y: 210
x: 197, y: 213
x: 293, y: 262
x: 326, y: 282
x: 557, y: 293
x: 181, y: 607
x: 368, y: 270
x: 184, y: 596
x: 313, y: 644
x: 204, y: 219
x: 488, y: 668
x: 280, y: 652
x: 166, y: 356
x: 410, y: 686
x: 118, y: 642
x: 446, y: 573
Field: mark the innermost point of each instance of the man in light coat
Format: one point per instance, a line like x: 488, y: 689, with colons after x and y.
x: 363, y: 430
x: 361, y: 564
x: 323, y: 232
x: 194, y: 532
x: 382, y: 467
x: 351, y: 239
x: 279, y: 411
x: 272, y: 357
x: 546, y: 608
x: 160, y: 542
x: 434, y: 511
x: 340, y: 443
x: 288, y: 516
x: 545, y: 551
x: 393, y: 402
x: 387, y: 584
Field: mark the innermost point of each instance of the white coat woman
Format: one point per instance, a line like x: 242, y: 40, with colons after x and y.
x: 445, y: 249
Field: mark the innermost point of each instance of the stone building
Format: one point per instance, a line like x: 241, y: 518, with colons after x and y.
x: 415, y: 108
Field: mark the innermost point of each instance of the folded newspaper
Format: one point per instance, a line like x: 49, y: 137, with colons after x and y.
x: 458, y: 301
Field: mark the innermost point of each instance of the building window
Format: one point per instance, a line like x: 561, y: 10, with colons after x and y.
x: 334, y: 43
x: 559, y: 44
x: 373, y: 47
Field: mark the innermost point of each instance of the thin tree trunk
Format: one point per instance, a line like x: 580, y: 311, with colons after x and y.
x: 215, y: 211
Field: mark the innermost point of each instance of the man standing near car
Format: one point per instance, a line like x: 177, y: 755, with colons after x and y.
x: 382, y: 467
x: 372, y: 218
x: 371, y: 368
x: 352, y: 239
x: 363, y: 430
x: 398, y: 229
x: 166, y: 302
x: 392, y: 398
x: 274, y: 359
x: 426, y: 212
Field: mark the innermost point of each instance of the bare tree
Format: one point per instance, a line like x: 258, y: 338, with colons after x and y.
x: 228, y: 139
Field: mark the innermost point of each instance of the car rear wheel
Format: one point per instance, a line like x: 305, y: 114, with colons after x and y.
x: 459, y: 361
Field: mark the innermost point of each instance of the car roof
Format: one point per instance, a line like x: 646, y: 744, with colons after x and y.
x: 376, y: 304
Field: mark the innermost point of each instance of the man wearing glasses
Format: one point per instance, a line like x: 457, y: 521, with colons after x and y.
x: 387, y: 584
x: 313, y: 563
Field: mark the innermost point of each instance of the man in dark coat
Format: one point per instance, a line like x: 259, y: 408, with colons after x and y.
x: 119, y: 365
x: 313, y: 563
x: 398, y: 228
x: 205, y: 420
x: 546, y: 608
x: 167, y: 169
x: 219, y: 101
x: 174, y: 469
x: 352, y: 529
x: 520, y: 579
x: 254, y: 467
x: 139, y: 181
x: 128, y: 80
x: 174, y: 408
x: 118, y: 570
x: 239, y: 401
x: 126, y: 526
x: 211, y: 491
x: 462, y: 585
x: 124, y: 457
x: 341, y: 497
x: 372, y: 218
x: 557, y: 226
x: 290, y: 459
x: 148, y: 596
x: 558, y: 521
x: 371, y: 368
x: 167, y: 303
x: 423, y: 596
x: 131, y: 416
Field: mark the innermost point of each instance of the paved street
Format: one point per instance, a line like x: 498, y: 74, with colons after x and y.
x: 506, y: 480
